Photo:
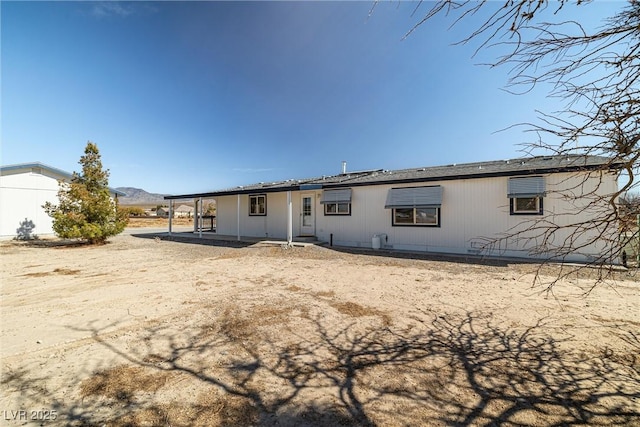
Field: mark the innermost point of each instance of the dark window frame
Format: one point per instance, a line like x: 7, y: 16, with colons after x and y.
x: 257, y: 196
x: 414, y: 223
x: 513, y: 211
x: 337, y: 213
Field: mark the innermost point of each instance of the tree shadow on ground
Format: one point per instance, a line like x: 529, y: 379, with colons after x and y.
x: 448, y: 370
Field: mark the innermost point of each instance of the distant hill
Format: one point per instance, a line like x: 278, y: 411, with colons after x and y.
x: 137, y: 196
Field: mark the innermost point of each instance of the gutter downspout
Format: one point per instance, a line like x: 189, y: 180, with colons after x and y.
x: 238, y: 217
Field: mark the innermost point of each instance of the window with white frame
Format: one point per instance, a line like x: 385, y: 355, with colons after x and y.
x: 337, y: 202
x: 526, y: 205
x: 257, y: 204
x: 526, y: 195
x: 415, y: 206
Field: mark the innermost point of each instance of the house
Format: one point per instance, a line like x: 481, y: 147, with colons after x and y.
x: 24, y: 188
x: 455, y: 209
x: 163, y: 211
x: 183, y: 211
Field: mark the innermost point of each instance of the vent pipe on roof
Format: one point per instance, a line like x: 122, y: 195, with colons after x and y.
x: 344, y: 167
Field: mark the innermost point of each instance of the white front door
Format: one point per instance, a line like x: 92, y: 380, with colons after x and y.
x: 307, y: 215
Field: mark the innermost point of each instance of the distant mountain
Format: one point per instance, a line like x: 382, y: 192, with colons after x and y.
x: 137, y: 196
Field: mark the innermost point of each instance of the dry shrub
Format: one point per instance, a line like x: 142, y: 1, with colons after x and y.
x: 356, y: 310
x: 241, y: 324
x: 294, y: 288
x: 122, y: 382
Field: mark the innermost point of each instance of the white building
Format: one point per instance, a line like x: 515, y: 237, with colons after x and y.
x: 24, y: 188
x: 183, y: 211
x: 452, y: 209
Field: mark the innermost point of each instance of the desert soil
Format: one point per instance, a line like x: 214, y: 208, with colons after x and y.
x: 148, y: 331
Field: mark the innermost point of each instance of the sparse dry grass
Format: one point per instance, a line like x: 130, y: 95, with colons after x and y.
x: 357, y: 310
x: 122, y: 382
x: 309, y: 336
x: 60, y: 271
x: 240, y: 324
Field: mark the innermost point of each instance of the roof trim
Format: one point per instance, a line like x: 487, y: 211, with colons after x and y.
x: 56, y: 171
x: 21, y: 166
x: 385, y: 181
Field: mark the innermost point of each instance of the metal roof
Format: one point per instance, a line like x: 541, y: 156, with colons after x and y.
x: 55, y: 171
x: 512, y: 167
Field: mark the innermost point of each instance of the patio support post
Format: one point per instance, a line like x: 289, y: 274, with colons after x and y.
x: 199, y: 218
x: 238, y: 217
x: 289, y: 219
x: 195, y: 215
x: 170, y: 215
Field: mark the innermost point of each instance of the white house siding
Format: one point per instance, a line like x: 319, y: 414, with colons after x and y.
x: 472, y: 209
x: 272, y: 225
x: 22, y: 196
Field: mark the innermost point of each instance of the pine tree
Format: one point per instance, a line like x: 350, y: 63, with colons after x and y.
x: 86, y: 210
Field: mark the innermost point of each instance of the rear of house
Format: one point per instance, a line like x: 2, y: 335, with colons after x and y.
x: 455, y: 209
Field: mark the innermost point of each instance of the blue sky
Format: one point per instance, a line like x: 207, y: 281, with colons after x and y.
x: 184, y: 97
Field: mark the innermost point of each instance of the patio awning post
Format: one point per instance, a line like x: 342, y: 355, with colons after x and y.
x: 199, y: 218
x: 289, y: 219
x: 170, y: 215
x: 238, y: 217
x: 195, y: 215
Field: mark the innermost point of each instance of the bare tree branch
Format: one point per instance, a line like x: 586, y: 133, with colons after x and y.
x: 597, y: 73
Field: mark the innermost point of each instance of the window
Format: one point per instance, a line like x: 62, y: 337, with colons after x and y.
x: 526, y: 206
x: 257, y: 204
x: 337, y: 208
x: 526, y: 195
x: 429, y: 217
x: 415, y: 206
x: 337, y: 202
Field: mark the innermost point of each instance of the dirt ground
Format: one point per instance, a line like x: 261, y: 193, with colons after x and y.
x: 154, y: 221
x: 146, y: 332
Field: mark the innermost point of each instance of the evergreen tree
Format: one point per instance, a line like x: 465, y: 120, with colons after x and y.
x: 86, y: 210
